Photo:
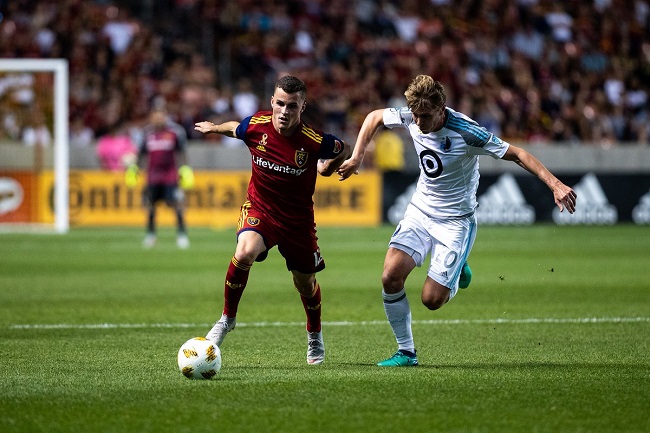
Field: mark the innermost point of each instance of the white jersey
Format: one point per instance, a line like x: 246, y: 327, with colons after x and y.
x: 448, y: 161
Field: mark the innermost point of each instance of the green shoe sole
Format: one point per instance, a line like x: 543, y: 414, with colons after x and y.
x: 399, y: 359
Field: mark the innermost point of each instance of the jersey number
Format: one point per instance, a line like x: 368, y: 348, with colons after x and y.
x: 431, y: 163
x: 317, y: 258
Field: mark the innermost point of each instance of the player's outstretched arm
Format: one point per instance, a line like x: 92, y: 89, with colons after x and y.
x: 227, y: 128
x: 370, y: 125
x: 327, y: 167
x: 565, y: 196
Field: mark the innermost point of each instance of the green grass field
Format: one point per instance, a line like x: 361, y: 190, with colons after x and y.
x: 553, y: 335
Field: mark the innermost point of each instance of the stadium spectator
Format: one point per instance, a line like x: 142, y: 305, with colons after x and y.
x: 245, y: 102
x: 529, y: 42
x: 279, y: 209
x: 115, y: 149
x: 80, y: 134
x: 36, y: 133
x: 119, y: 30
x: 466, y: 45
x: 439, y: 221
x: 560, y: 21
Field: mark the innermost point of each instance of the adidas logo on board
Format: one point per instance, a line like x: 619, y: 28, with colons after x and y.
x: 504, y: 203
x: 641, y: 212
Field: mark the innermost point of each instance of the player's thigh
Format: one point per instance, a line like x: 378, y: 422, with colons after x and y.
x: 434, y: 294
x: 411, y: 236
x: 173, y: 195
x: 256, y: 234
x: 250, y: 244
x: 152, y: 194
x: 304, y: 283
x: 452, y: 241
x: 300, y: 250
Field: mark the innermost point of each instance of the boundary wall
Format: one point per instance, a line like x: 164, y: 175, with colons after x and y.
x: 613, y: 185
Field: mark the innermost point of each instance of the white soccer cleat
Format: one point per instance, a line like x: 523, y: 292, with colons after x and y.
x: 182, y: 241
x: 315, y: 348
x: 149, y: 241
x: 220, y: 329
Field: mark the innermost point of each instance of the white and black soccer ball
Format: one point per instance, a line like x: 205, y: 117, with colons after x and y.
x: 199, y: 358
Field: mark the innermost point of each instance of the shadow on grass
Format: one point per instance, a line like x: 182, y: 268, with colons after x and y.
x: 507, y: 366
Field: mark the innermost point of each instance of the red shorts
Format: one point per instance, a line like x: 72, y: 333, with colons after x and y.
x: 298, y: 244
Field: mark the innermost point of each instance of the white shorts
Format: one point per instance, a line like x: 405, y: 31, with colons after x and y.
x: 448, y: 241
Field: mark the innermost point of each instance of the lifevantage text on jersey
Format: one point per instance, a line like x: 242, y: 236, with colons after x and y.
x: 261, y: 162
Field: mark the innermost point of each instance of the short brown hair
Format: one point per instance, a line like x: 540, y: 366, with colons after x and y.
x: 291, y: 84
x: 425, y: 94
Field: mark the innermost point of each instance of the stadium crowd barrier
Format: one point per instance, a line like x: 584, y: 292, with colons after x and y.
x: 613, y: 185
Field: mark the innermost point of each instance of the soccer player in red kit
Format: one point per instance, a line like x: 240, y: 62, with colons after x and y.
x: 162, y: 150
x: 287, y: 154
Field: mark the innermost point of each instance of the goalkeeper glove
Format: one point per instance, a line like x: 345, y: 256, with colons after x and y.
x: 131, y: 175
x: 186, y: 177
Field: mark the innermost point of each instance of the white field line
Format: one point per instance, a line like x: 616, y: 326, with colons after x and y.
x: 579, y: 320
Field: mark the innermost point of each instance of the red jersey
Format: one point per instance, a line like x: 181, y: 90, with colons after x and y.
x: 284, y: 169
x: 161, y: 145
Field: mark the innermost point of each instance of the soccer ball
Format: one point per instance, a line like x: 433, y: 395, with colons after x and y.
x: 199, y: 358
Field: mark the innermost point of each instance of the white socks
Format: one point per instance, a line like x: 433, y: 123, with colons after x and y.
x: 398, y: 313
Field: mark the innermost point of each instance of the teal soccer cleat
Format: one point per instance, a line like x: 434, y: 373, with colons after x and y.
x: 465, y: 276
x: 399, y: 359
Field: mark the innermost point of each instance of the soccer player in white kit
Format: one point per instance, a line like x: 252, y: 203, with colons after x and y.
x: 439, y: 221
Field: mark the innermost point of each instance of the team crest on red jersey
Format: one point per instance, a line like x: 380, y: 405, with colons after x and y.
x: 252, y: 221
x: 301, y: 157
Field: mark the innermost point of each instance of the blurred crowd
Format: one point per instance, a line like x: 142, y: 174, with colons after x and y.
x: 532, y: 71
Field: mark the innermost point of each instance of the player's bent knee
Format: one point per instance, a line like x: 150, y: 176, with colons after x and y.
x: 433, y: 303
x: 391, y: 283
x: 262, y: 256
x: 246, y: 256
x: 305, y: 284
x: 435, y: 299
x: 434, y: 294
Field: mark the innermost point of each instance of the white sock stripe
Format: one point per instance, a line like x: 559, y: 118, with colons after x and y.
x: 393, y: 301
x: 532, y: 320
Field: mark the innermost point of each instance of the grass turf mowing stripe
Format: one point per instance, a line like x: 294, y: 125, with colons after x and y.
x: 532, y: 320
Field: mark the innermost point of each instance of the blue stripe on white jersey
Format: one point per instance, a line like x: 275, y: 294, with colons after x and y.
x: 472, y: 133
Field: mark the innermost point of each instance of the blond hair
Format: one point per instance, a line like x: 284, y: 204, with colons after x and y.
x: 425, y: 94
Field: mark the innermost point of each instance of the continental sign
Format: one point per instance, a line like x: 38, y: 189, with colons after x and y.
x: 101, y: 198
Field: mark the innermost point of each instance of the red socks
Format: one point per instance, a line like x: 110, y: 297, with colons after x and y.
x: 236, y: 280
x: 312, y: 309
